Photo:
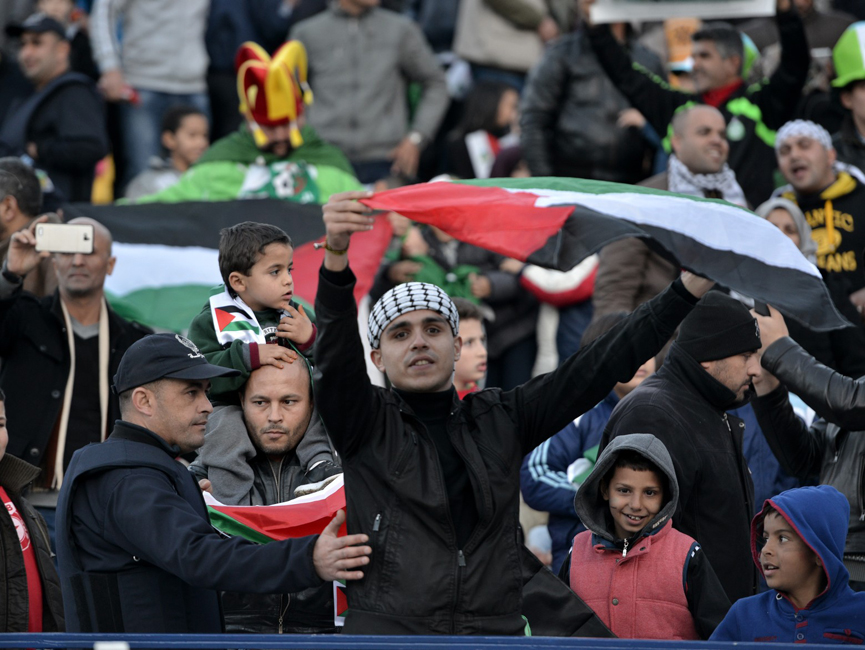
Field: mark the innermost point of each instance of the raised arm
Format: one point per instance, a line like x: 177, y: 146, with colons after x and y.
x: 836, y: 398
x: 344, y: 394
x: 648, y: 94
x: 545, y: 404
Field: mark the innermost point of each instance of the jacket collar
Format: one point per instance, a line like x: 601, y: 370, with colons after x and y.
x: 637, y: 545
x: 134, y: 433
x: 682, y: 365
x: 16, y: 473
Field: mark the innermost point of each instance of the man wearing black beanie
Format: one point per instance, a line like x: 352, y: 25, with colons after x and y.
x: 708, y: 370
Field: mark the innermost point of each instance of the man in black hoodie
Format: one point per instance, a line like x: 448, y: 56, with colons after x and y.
x: 60, y: 127
x: 708, y: 370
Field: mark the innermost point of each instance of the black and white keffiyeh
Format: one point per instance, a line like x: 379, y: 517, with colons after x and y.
x: 805, y: 128
x: 684, y: 181
x: 407, y: 297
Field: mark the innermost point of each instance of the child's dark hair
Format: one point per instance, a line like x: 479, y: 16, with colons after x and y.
x: 634, y: 460
x: 2, y: 395
x: 241, y: 245
x: 173, y: 117
x: 468, y: 310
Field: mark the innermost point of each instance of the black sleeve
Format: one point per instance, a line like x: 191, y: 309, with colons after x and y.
x: 780, y: 96
x: 798, y: 448
x: 80, y: 139
x: 344, y: 396
x: 836, y: 398
x: 707, y: 599
x: 650, y: 95
x: 545, y: 404
x: 145, y: 516
x: 540, y: 109
x: 565, y: 570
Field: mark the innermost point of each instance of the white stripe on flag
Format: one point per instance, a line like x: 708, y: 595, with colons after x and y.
x: 145, y: 266
x: 729, y: 230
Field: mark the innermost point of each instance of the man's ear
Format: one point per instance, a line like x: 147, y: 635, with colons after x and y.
x: 110, y: 268
x: 675, y: 141
x: 847, y: 99
x: 143, y: 400
x: 375, y: 356
x: 237, y: 281
x: 8, y: 208
x: 169, y: 141
x: 458, y: 347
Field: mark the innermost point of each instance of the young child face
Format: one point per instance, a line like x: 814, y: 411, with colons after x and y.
x: 789, y: 565
x: 269, y: 284
x: 189, y: 141
x: 472, y: 364
x: 635, y: 496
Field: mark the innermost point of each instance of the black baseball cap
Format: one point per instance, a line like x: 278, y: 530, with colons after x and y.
x: 38, y: 23
x: 161, y: 356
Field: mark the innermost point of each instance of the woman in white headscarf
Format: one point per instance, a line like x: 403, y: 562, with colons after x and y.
x: 786, y: 216
x: 843, y: 350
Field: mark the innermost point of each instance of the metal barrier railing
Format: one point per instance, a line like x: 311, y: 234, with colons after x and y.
x: 347, y: 642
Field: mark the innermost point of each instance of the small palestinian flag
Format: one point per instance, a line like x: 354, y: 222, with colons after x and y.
x: 556, y: 223
x: 234, y: 319
x: 306, y: 515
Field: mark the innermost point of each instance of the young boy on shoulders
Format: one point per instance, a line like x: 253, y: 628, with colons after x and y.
x: 471, y: 367
x: 642, y: 577
x: 798, y: 544
x: 253, y: 321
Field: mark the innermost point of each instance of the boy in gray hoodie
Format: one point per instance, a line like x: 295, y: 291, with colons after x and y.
x: 643, y: 578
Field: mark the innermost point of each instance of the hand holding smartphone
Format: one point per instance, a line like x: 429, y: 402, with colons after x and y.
x: 64, y: 238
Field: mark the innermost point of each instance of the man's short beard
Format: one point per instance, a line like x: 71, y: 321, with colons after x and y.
x: 271, y: 146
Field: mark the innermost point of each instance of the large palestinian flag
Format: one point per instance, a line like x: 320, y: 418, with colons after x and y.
x: 306, y: 515
x: 556, y: 223
x: 167, y: 253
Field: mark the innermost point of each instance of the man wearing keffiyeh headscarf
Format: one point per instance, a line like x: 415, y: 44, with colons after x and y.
x: 434, y: 480
x: 833, y: 201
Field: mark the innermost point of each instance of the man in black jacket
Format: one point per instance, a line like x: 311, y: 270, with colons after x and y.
x: 833, y: 447
x: 137, y: 552
x: 752, y: 113
x: 263, y: 469
x: 570, y: 114
x: 434, y: 481
x: 708, y: 370
x: 61, y: 126
x: 58, y: 354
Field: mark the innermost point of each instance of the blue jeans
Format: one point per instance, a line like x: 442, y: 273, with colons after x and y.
x: 573, y: 321
x: 140, y: 125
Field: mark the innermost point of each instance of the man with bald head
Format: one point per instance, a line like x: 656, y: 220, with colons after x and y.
x: 262, y: 468
x: 58, y: 355
x: 629, y: 273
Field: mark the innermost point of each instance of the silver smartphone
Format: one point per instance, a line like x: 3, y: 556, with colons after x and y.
x: 64, y: 238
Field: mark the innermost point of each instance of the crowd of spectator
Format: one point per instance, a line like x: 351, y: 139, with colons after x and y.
x: 633, y: 404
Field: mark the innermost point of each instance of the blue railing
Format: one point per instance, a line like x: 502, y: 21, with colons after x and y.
x: 340, y: 642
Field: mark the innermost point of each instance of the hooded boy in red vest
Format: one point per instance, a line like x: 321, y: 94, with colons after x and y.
x: 643, y: 578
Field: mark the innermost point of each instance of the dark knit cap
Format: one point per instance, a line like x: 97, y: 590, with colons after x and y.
x: 719, y: 327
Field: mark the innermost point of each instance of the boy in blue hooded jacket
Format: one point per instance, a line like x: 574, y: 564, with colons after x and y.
x: 797, y: 541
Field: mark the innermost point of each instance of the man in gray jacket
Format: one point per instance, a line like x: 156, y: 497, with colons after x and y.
x: 361, y: 60
x: 262, y: 468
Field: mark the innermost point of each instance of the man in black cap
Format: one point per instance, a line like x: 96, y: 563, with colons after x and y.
x: 61, y: 127
x: 137, y: 552
x: 708, y: 371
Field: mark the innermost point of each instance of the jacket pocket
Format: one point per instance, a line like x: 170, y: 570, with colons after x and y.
x: 410, y: 448
x: 844, y: 636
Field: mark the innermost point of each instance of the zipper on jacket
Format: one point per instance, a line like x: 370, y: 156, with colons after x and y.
x: 861, y: 486
x: 377, y: 523
x: 625, y: 549
x: 727, y: 422
x: 283, y: 610
x: 461, y: 559
x: 461, y: 562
